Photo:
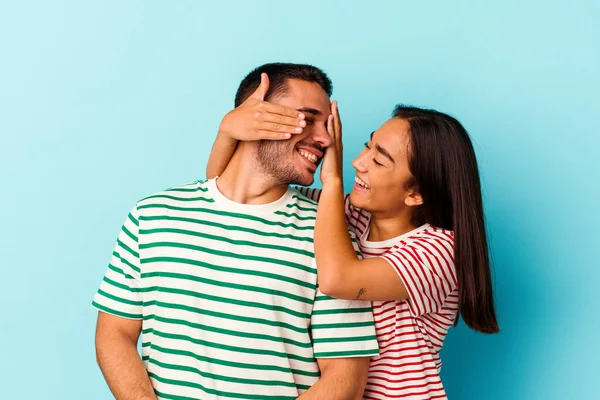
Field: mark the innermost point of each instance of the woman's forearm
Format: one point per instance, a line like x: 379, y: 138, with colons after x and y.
x: 333, y: 246
x: 220, y: 155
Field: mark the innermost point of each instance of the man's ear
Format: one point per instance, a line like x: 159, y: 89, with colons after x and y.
x: 413, y: 198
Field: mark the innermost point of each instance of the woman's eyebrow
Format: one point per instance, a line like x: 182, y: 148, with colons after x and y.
x: 385, y: 153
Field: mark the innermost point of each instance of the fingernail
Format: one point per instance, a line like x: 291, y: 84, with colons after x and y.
x: 298, y: 130
x: 287, y: 135
x: 302, y: 123
x: 301, y: 116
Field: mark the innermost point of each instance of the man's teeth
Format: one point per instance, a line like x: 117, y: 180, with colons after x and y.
x: 361, y: 183
x: 309, y: 156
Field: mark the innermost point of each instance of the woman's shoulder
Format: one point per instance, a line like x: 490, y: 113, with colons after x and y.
x: 429, y: 239
x: 427, y: 248
x: 435, y: 234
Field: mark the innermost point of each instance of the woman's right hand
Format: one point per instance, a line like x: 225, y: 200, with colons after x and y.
x: 256, y: 119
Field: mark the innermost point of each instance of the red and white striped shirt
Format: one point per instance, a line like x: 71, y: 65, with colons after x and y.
x: 410, y: 332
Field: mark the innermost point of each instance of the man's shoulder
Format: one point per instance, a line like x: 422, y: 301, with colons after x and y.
x: 178, y: 195
x: 302, y: 205
x: 296, y: 212
x: 302, y: 198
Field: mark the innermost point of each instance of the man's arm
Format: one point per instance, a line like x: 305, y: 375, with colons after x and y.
x: 341, y: 379
x: 119, y: 360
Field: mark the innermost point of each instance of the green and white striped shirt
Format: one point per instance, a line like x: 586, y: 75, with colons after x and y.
x: 228, y: 296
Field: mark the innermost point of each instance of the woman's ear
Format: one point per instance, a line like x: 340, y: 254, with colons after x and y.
x: 413, y: 198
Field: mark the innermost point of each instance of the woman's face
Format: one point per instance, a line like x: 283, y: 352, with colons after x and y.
x: 382, y: 172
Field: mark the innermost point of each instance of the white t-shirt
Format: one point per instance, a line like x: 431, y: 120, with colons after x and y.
x: 228, y: 296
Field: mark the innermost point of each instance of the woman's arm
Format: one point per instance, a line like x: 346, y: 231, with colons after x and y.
x: 254, y: 119
x: 220, y: 154
x: 341, y: 274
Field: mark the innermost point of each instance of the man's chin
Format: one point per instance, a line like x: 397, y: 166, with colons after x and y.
x: 304, y: 178
x: 295, y: 175
x: 306, y: 181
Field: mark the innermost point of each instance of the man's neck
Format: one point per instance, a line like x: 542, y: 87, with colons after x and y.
x: 244, y: 181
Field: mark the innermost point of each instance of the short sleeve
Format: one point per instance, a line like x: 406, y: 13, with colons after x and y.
x: 119, y: 293
x: 343, y: 328
x: 427, y: 270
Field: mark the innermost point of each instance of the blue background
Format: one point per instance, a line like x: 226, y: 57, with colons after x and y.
x: 104, y: 102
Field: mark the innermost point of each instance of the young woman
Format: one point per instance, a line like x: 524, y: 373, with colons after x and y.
x: 416, y: 211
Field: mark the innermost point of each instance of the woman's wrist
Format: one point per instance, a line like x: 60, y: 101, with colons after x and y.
x: 225, y: 136
x: 333, y: 183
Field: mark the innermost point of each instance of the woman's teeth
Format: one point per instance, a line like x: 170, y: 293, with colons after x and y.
x: 309, y: 156
x: 361, y: 183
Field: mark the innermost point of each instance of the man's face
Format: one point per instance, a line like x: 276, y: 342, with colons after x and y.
x: 295, y: 161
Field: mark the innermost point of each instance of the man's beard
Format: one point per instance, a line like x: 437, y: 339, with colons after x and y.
x: 272, y: 157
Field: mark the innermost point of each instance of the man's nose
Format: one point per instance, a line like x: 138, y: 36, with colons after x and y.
x: 322, y: 137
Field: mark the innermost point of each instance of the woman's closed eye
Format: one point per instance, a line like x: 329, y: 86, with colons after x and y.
x: 374, y: 160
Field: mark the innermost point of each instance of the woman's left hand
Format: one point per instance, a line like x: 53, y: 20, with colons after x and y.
x: 331, y: 168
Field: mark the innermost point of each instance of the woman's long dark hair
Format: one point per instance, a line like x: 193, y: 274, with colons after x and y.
x: 443, y: 164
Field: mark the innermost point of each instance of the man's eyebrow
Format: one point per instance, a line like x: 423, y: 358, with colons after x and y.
x: 313, y: 111
x: 384, y: 152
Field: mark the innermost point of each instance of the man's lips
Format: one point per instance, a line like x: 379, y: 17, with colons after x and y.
x: 312, y: 158
x: 311, y: 150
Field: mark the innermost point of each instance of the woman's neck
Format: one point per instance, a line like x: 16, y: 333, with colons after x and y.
x: 387, y: 227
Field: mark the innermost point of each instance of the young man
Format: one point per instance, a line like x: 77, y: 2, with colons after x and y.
x: 219, y: 277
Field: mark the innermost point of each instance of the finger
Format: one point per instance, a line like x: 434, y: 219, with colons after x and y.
x: 336, y: 119
x: 283, y: 110
x: 269, y: 135
x: 276, y: 127
x: 261, y: 90
x: 331, y: 127
x: 283, y: 120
